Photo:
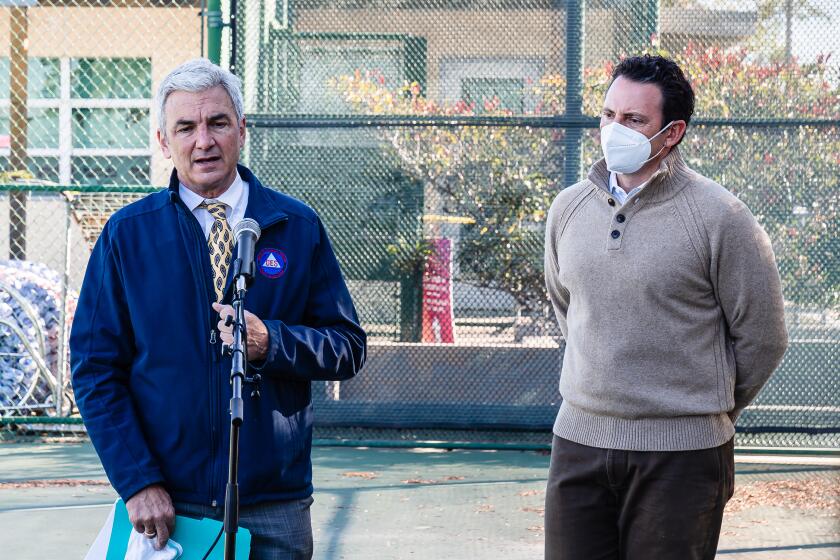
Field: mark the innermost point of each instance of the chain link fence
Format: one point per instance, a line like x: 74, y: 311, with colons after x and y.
x: 431, y: 137
x: 77, y: 130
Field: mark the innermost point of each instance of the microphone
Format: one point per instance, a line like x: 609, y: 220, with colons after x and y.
x: 246, y: 233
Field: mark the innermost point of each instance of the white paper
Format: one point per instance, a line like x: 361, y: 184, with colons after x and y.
x: 99, y: 548
x: 141, y: 547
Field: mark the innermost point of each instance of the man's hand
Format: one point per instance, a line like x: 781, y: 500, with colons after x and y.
x: 150, y: 511
x: 257, y: 332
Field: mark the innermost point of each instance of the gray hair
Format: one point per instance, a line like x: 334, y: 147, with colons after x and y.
x: 197, y: 75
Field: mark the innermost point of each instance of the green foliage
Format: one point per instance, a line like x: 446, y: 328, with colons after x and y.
x: 503, y: 178
x: 497, y: 180
x: 776, y: 170
x: 407, y: 257
x: 789, y: 176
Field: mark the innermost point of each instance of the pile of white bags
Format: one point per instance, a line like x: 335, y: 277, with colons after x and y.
x: 30, y: 335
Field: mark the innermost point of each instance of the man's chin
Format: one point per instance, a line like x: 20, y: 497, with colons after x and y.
x: 210, y: 180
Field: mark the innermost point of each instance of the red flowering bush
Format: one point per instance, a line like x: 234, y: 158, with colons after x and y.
x: 503, y: 178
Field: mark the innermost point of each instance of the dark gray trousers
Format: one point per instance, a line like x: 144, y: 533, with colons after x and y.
x: 607, y: 504
x: 279, y: 530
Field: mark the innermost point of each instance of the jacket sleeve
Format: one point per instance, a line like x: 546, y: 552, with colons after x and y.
x: 101, y: 355
x: 329, y: 345
x: 748, y: 286
x: 557, y: 293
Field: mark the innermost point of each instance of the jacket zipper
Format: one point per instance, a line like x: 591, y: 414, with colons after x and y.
x: 212, y: 385
x: 215, y: 360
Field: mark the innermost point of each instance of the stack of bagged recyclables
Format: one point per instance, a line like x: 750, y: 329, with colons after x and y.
x: 30, y: 300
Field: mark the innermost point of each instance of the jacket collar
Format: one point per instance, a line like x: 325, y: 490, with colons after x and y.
x: 671, y: 177
x: 261, y: 206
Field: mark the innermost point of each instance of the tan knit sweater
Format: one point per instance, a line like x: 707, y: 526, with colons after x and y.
x: 671, y: 308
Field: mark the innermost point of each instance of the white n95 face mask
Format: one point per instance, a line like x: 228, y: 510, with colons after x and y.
x: 625, y: 149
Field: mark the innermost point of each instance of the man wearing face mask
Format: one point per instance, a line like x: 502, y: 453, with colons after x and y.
x: 667, y: 293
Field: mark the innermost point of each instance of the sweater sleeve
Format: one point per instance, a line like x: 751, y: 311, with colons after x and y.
x: 101, y: 356
x: 746, y: 279
x: 557, y: 293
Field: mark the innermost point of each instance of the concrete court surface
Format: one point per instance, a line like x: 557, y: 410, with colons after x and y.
x: 415, y: 503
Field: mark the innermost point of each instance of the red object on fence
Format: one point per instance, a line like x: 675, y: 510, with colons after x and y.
x: 438, y: 314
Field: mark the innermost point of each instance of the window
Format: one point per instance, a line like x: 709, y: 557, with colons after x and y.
x: 44, y: 80
x: 511, y: 80
x: 4, y: 127
x: 89, y: 119
x: 111, y: 170
x: 111, y: 128
x: 4, y: 110
x: 45, y: 168
x: 325, y: 61
x: 111, y: 78
x: 509, y: 91
x: 42, y: 132
x: 4, y: 78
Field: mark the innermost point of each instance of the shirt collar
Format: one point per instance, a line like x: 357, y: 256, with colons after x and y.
x: 230, y: 197
x: 614, y: 185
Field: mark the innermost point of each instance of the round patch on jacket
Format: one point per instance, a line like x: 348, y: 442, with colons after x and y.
x: 272, y: 263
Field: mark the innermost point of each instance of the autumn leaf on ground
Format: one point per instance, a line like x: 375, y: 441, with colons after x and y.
x: 538, y: 509
x: 810, y: 494
x: 54, y: 483
x: 360, y: 474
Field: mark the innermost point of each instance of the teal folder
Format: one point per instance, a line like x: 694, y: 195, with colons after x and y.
x: 194, y: 535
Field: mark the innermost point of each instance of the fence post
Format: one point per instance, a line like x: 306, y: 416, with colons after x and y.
x: 411, y: 286
x: 18, y: 93
x: 415, y: 63
x: 58, y: 397
x: 647, y: 24
x: 232, y: 64
x: 214, y: 31
x: 574, y: 87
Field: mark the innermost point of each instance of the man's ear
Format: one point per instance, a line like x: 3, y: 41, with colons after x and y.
x: 164, y: 145
x: 242, y: 133
x: 674, y: 133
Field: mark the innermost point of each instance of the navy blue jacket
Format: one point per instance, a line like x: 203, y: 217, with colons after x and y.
x: 148, y: 374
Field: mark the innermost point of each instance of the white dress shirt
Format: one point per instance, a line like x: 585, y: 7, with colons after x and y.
x: 235, y: 199
x: 620, y: 194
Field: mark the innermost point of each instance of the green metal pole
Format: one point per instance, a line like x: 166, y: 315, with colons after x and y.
x: 642, y: 24
x: 214, y: 31
x: 574, y: 89
x: 416, y: 61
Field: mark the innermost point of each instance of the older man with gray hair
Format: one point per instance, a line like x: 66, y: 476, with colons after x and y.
x: 149, y: 376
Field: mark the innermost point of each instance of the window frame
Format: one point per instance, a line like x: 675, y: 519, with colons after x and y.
x: 66, y: 104
x: 453, y: 72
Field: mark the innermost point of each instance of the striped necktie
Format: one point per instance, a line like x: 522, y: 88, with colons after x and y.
x: 220, y: 243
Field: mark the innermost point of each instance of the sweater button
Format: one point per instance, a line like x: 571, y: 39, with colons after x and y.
x: 620, y: 218
x: 611, y: 202
x: 615, y: 234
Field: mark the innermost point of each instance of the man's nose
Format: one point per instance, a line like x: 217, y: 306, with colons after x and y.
x: 204, y: 139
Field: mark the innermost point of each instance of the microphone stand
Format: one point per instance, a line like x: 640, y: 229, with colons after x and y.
x: 238, y: 352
